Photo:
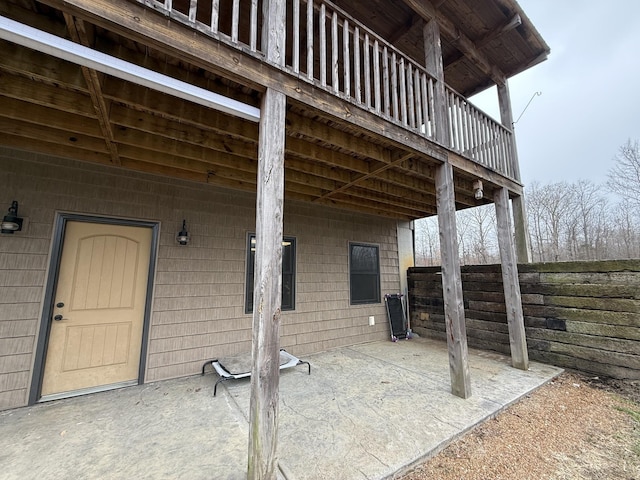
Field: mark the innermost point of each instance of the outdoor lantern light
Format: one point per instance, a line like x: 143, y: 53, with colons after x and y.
x: 183, y: 235
x: 11, y: 222
x: 477, y: 190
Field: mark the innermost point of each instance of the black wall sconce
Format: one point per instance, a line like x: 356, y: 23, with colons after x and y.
x: 11, y: 222
x: 183, y: 235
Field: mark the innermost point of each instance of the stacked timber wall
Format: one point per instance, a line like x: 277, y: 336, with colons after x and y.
x: 580, y: 315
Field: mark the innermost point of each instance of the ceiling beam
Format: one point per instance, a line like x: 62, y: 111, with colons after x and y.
x: 375, y: 172
x: 506, y: 26
x: 78, y: 34
x: 58, y: 47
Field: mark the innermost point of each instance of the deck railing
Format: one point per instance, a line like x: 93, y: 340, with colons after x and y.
x: 477, y: 136
x: 331, y: 50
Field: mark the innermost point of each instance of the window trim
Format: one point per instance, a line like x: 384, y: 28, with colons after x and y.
x: 248, y: 287
x: 378, y: 275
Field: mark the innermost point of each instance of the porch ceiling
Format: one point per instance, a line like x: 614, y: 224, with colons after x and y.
x: 52, y: 106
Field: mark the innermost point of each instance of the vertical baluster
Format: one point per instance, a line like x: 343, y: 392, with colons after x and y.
x: 504, y: 165
x: 465, y: 125
x: 310, y: 39
x: 492, y: 144
x: 193, y: 9
x: 323, y: 45
x: 418, y: 99
x: 508, y: 154
x: 168, y: 5
x: 470, y: 131
x: 424, y: 93
x: 451, y: 124
x: 376, y: 76
x: 403, y: 91
x: 334, y: 53
x: 296, y: 36
x: 432, y: 108
x: 470, y: 128
x: 386, y: 80
x: 487, y: 141
x: 346, y: 60
x: 480, y: 145
x: 253, y: 39
x: 215, y: 9
x: 478, y: 136
x: 235, y: 21
x: 411, y: 110
x: 495, y: 147
x: 452, y: 121
x: 511, y: 155
x: 394, y: 86
x: 483, y: 139
x: 356, y: 64
x: 459, y: 108
x: 367, y: 71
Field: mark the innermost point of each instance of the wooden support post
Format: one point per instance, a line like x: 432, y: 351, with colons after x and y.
x: 267, y: 287
x: 452, y: 283
x: 433, y: 65
x: 512, y: 297
x: 521, y: 224
x: 523, y: 242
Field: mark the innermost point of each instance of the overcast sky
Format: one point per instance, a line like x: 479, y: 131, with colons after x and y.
x: 590, y: 84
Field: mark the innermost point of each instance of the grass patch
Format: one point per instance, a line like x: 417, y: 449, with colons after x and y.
x: 632, y: 412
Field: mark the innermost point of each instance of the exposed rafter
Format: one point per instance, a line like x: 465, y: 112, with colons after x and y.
x: 78, y: 34
x: 429, y: 12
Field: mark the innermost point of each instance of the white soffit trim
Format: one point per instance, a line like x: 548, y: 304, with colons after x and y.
x: 59, y: 47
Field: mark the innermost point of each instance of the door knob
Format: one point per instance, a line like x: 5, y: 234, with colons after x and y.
x: 57, y: 318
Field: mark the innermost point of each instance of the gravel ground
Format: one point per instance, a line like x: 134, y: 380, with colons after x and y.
x: 576, y: 427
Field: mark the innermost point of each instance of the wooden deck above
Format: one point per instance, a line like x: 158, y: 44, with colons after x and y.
x: 360, y: 131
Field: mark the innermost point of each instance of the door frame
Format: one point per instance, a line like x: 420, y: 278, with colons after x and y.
x: 57, y: 244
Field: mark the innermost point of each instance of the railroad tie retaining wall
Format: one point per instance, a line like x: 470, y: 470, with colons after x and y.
x: 580, y: 315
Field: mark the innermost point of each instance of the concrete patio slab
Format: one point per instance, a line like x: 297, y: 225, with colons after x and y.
x: 365, y: 412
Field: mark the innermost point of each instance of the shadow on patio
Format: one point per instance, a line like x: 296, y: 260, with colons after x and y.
x: 366, y: 411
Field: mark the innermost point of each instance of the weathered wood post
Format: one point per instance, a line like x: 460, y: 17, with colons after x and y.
x: 523, y: 242
x: 446, y: 206
x: 433, y: 65
x: 452, y: 283
x: 512, y: 297
x: 267, y: 297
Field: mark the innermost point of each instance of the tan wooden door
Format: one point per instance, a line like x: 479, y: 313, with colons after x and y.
x: 96, y: 333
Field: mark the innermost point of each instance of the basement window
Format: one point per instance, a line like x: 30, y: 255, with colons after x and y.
x: 364, y: 273
x: 288, y: 273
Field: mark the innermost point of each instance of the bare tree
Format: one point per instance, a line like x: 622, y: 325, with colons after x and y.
x: 625, y: 242
x: 427, y: 242
x: 481, y: 233
x: 549, y: 215
x: 567, y: 221
x: 624, y: 176
x: 463, y: 227
x: 586, y: 213
x: 534, y: 217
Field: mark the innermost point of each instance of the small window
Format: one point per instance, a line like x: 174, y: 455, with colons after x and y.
x: 288, y: 273
x: 364, y: 272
